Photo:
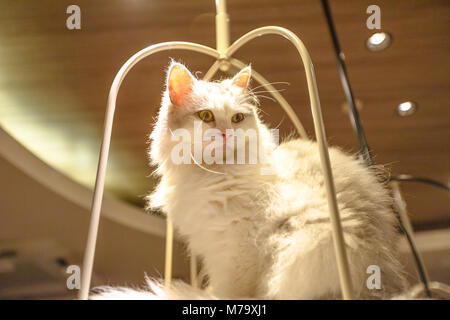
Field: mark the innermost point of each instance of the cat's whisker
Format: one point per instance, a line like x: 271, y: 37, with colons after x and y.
x: 266, y: 97
x: 202, y: 167
x: 246, y: 99
x: 264, y: 91
x: 279, y: 124
x: 266, y: 113
x: 171, y: 132
x: 195, y: 161
x: 254, y: 99
x: 266, y: 84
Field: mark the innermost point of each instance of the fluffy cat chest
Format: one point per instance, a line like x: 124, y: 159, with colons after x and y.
x: 221, y: 198
x: 234, y: 243
x: 231, y: 257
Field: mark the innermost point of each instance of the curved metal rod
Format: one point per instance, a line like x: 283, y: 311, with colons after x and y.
x: 193, y: 270
x: 212, y: 71
x: 88, y: 261
x: 338, y: 236
x: 405, y: 224
x: 364, y: 150
x: 280, y: 99
x: 272, y: 90
x: 169, y: 253
x: 429, y: 181
x: 319, y: 128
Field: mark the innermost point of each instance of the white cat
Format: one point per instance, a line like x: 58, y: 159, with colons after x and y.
x: 262, y: 229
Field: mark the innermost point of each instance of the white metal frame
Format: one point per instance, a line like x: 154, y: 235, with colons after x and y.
x: 223, y: 55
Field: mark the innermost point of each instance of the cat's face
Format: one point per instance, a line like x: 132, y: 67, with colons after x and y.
x: 219, y: 118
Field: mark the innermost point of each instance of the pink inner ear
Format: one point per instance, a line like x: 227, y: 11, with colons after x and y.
x: 180, y: 83
x: 241, y: 80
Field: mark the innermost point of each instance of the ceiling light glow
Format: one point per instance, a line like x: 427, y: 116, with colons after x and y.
x: 379, y: 41
x: 406, y: 108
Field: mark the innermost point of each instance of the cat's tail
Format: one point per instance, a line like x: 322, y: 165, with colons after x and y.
x: 154, y: 290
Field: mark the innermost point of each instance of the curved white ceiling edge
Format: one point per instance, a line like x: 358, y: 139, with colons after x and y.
x: 112, y: 208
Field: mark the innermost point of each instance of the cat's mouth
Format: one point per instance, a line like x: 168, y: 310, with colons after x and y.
x: 221, y: 150
x: 225, y: 142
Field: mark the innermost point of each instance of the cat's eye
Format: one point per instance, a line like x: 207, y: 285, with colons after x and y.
x: 206, y: 115
x: 238, y: 117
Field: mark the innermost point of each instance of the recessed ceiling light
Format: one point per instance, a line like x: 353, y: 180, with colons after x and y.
x: 379, y: 41
x: 406, y: 108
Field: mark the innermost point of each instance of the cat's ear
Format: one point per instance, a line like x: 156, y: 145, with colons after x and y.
x: 179, y: 83
x: 242, y: 79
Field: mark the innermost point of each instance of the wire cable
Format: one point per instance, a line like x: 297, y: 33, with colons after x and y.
x: 429, y: 181
x: 354, y: 114
x: 359, y: 132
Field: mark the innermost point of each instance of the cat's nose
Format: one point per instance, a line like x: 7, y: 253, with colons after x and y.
x: 226, y: 135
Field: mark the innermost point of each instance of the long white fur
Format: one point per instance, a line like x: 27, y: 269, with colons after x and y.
x: 153, y: 290
x: 268, y: 236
